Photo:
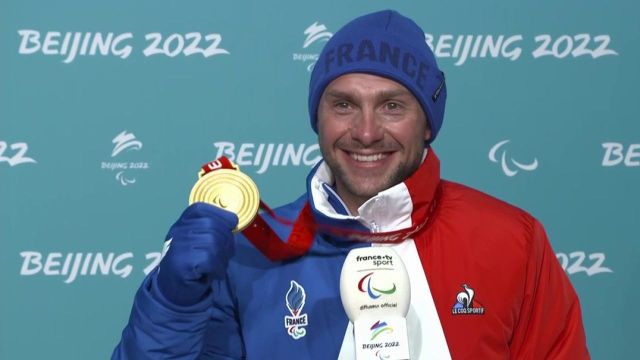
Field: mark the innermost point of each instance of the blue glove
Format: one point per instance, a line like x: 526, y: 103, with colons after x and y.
x: 199, y: 251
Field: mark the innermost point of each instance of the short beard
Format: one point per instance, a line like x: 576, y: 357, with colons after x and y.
x: 400, y: 174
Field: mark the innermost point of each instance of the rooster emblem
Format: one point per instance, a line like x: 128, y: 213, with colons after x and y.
x: 465, y: 298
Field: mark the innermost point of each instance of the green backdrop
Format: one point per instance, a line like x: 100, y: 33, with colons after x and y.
x: 108, y: 109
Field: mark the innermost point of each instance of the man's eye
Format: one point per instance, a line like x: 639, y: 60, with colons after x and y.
x: 342, y: 105
x: 392, y: 106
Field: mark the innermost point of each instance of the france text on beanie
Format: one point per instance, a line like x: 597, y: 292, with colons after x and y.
x: 386, y: 44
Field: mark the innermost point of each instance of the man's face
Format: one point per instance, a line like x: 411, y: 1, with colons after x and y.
x: 372, y: 132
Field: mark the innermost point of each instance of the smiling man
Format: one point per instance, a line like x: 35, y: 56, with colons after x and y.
x: 485, y: 283
x: 372, y: 132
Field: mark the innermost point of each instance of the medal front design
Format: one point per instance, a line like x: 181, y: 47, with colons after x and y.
x: 295, y: 300
x: 222, y: 184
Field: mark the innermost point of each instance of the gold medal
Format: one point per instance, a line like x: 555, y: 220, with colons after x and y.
x: 229, y: 189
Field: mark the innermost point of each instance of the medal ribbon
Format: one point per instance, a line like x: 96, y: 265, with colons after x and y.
x: 264, y: 238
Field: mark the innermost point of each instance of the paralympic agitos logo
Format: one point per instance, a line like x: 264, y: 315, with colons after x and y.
x: 373, y: 291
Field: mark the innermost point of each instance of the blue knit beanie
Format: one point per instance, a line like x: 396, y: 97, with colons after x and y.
x: 387, y: 44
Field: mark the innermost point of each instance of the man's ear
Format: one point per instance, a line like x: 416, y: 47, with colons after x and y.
x: 427, y: 133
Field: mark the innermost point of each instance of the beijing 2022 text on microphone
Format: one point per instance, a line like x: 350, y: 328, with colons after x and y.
x: 376, y: 293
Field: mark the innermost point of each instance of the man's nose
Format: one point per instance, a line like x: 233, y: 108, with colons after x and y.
x: 367, y: 128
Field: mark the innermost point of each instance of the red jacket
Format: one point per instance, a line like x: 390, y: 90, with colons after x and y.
x: 497, y: 286
x: 530, y: 310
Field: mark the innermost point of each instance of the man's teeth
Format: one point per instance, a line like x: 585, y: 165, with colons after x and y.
x: 367, y: 158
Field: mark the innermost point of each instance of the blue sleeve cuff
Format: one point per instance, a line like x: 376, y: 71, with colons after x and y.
x: 159, y: 329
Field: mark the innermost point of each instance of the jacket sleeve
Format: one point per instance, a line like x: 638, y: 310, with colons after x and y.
x: 158, y: 329
x: 550, y: 322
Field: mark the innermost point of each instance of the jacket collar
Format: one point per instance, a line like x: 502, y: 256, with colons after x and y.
x: 399, y: 207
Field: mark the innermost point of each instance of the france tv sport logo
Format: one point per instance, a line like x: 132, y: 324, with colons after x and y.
x: 371, y: 290
x: 295, y: 300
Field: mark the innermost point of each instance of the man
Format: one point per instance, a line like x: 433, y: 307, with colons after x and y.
x: 485, y: 282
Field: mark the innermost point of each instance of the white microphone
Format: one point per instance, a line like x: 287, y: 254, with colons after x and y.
x: 376, y: 293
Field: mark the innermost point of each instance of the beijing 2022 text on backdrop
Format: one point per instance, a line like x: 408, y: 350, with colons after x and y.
x: 108, y: 109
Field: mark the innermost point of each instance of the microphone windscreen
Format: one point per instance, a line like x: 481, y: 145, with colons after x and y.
x: 374, y: 281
